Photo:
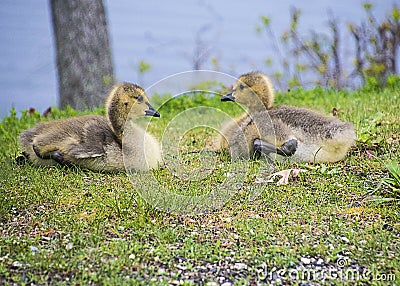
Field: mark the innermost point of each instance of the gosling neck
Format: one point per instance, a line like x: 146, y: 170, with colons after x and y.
x: 116, y: 117
x: 256, y: 107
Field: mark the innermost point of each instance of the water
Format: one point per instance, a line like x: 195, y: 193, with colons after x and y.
x: 163, y: 34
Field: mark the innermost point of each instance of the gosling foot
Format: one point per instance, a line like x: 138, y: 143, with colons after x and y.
x: 288, y: 148
x: 53, y: 155
x: 262, y: 148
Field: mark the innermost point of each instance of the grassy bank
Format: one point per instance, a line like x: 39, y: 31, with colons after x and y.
x: 338, y: 222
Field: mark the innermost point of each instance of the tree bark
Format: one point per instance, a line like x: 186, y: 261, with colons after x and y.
x: 85, y: 70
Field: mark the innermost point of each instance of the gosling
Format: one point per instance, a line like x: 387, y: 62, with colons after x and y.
x: 238, y: 136
x: 302, y: 134
x: 95, y: 142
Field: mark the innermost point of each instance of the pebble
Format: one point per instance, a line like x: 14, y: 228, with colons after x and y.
x: 20, y: 264
x: 181, y: 267
x: 305, y: 260
x: 239, y: 266
x: 345, y: 239
x: 161, y: 271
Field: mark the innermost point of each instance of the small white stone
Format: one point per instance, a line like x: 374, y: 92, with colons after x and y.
x: 20, y: 264
x: 305, y: 260
x: 181, y: 267
x: 17, y: 264
x: 239, y: 266
x: 69, y: 246
x: 345, y: 239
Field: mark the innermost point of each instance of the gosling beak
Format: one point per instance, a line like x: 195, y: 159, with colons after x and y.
x: 229, y: 96
x: 151, y: 111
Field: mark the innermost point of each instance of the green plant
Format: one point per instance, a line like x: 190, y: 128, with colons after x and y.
x: 316, y: 58
x: 392, y: 192
x: 143, y: 67
x: 322, y: 169
x: 367, y: 134
x: 377, y: 45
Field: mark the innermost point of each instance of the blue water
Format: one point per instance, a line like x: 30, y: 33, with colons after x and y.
x: 162, y: 33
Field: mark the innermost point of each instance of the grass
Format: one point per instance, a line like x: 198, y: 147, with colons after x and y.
x: 73, y: 226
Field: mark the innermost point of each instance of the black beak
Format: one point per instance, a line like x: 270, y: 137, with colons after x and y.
x: 151, y: 111
x: 229, y: 96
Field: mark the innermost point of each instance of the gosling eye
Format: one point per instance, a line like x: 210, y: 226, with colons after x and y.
x: 241, y: 87
x: 126, y: 104
x: 140, y: 99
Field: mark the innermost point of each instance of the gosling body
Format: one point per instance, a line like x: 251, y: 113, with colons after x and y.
x: 319, y: 138
x: 95, y: 142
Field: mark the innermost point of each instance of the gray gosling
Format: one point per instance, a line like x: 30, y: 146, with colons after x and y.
x: 239, y: 135
x: 302, y: 134
x: 95, y: 142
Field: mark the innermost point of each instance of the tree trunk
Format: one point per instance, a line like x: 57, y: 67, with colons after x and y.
x: 85, y: 70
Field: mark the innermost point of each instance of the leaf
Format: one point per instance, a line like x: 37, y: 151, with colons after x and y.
x: 394, y: 170
x: 266, y: 21
x: 285, y: 174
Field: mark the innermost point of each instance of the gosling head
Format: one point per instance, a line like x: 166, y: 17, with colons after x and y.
x: 252, y: 90
x: 127, y: 101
